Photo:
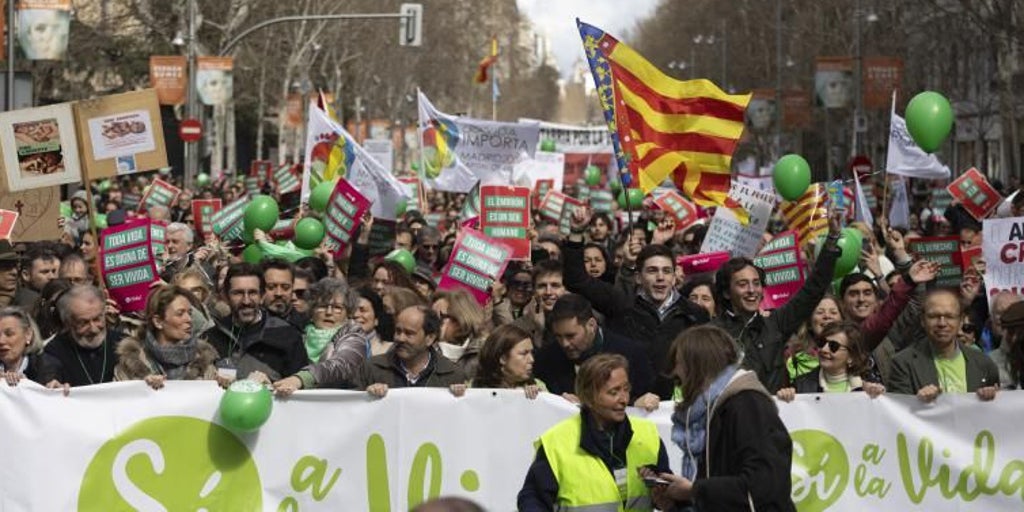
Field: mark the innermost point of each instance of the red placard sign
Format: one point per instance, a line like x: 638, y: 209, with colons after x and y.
x: 974, y: 192
x: 343, y: 216
x: 679, y: 208
x: 505, y: 215
x: 202, y: 214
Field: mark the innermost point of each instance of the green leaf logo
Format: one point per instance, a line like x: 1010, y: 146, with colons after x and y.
x: 172, y: 463
x: 821, y: 470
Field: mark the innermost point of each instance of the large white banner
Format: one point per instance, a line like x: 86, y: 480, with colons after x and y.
x: 1003, y: 250
x: 570, y: 138
x: 124, y: 446
x: 544, y: 165
x: 457, y: 152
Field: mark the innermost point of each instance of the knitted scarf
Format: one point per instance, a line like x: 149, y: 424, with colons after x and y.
x: 689, y: 427
x: 173, y: 359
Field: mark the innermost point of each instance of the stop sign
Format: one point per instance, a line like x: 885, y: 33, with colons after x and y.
x: 191, y: 130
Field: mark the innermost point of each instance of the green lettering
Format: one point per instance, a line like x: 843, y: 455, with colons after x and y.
x: 427, y: 454
x: 310, y: 472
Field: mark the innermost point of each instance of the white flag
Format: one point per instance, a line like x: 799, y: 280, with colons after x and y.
x: 331, y: 153
x: 458, y: 152
x: 863, y: 212
x: 899, y: 209
x: 905, y: 157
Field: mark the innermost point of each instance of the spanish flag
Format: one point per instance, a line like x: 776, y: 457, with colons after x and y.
x: 482, y: 76
x: 662, y: 127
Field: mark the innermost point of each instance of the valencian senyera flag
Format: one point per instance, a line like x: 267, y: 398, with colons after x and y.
x: 666, y: 128
x: 808, y: 215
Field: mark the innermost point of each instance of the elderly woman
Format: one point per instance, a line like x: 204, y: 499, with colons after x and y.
x: 593, y: 460
x: 842, y: 365
x: 166, y: 347
x: 506, y: 362
x: 21, y: 349
x: 462, y: 327
x: 335, y: 341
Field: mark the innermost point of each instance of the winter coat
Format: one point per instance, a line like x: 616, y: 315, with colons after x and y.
x: 341, y: 361
x: 914, y: 368
x: 386, y: 369
x: 271, y: 345
x: 559, y: 373
x: 748, y: 453
x: 634, y: 316
x: 763, y: 338
x: 134, y: 363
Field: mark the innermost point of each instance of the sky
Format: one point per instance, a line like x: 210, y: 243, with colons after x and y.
x: 557, y: 20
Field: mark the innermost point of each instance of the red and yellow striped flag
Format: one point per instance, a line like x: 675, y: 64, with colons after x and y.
x: 481, y: 76
x: 808, y: 216
x: 686, y: 130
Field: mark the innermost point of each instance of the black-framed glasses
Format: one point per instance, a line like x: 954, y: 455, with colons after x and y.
x: 833, y: 345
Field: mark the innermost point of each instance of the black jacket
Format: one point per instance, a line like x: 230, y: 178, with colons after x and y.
x: 811, y: 382
x: 559, y: 373
x: 750, y: 453
x: 271, y: 345
x: 540, y: 490
x: 634, y: 316
x: 69, y: 363
x: 763, y: 339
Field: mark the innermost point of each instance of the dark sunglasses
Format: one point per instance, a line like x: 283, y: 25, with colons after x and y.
x: 967, y: 328
x: 833, y: 345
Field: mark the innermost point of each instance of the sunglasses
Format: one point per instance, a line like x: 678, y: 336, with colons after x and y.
x: 833, y: 345
x: 967, y: 328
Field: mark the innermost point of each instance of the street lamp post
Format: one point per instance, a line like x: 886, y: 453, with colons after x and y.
x: 191, y: 148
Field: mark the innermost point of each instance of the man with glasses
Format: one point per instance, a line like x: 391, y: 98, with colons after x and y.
x: 74, y: 269
x: 940, y: 363
x: 250, y: 339
x: 428, y: 246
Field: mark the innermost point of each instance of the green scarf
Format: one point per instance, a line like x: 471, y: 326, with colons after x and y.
x: 317, y: 340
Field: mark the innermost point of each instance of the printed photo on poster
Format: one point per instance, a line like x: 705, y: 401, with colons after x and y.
x: 833, y: 82
x: 39, y: 147
x: 121, y: 134
x: 126, y: 164
x: 43, y: 33
x: 214, y: 80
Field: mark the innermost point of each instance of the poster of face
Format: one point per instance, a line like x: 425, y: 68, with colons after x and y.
x: 761, y: 110
x: 42, y: 28
x: 833, y: 82
x: 214, y: 80
x: 39, y: 147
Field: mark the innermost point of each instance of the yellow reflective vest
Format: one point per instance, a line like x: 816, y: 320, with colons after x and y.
x: 584, y: 482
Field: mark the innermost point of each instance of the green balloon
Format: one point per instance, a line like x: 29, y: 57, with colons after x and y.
x: 202, y: 179
x: 252, y: 254
x: 321, y: 195
x: 309, y: 232
x: 635, y: 197
x: 792, y: 176
x: 592, y: 175
x: 404, y: 258
x: 547, y: 145
x: 929, y: 120
x: 400, y: 208
x: 247, y: 236
x: 616, y: 185
x: 99, y: 220
x: 245, y: 406
x: 261, y: 213
x: 103, y: 186
x: 415, y: 166
x: 850, y: 245
x: 65, y: 209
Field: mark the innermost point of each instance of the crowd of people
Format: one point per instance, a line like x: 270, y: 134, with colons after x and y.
x: 602, y: 316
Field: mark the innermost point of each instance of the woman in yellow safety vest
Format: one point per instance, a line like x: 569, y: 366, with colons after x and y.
x: 593, y: 460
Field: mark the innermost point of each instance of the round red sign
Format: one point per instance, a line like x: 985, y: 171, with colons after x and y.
x: 191, y: 130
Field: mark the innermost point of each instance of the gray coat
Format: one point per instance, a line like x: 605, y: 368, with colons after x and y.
x: 914, y: 368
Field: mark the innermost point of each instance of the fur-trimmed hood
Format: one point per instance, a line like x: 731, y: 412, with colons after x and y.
x: 133, y: 363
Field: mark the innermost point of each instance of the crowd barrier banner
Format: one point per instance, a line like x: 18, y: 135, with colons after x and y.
x: 123, y: 446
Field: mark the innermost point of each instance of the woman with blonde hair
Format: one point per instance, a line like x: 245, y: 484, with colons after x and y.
x: 463, y: 326
x: 21, y: 348
x: 166, y: 347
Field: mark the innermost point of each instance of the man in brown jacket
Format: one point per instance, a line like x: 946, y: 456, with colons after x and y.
x: 413, y: 360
